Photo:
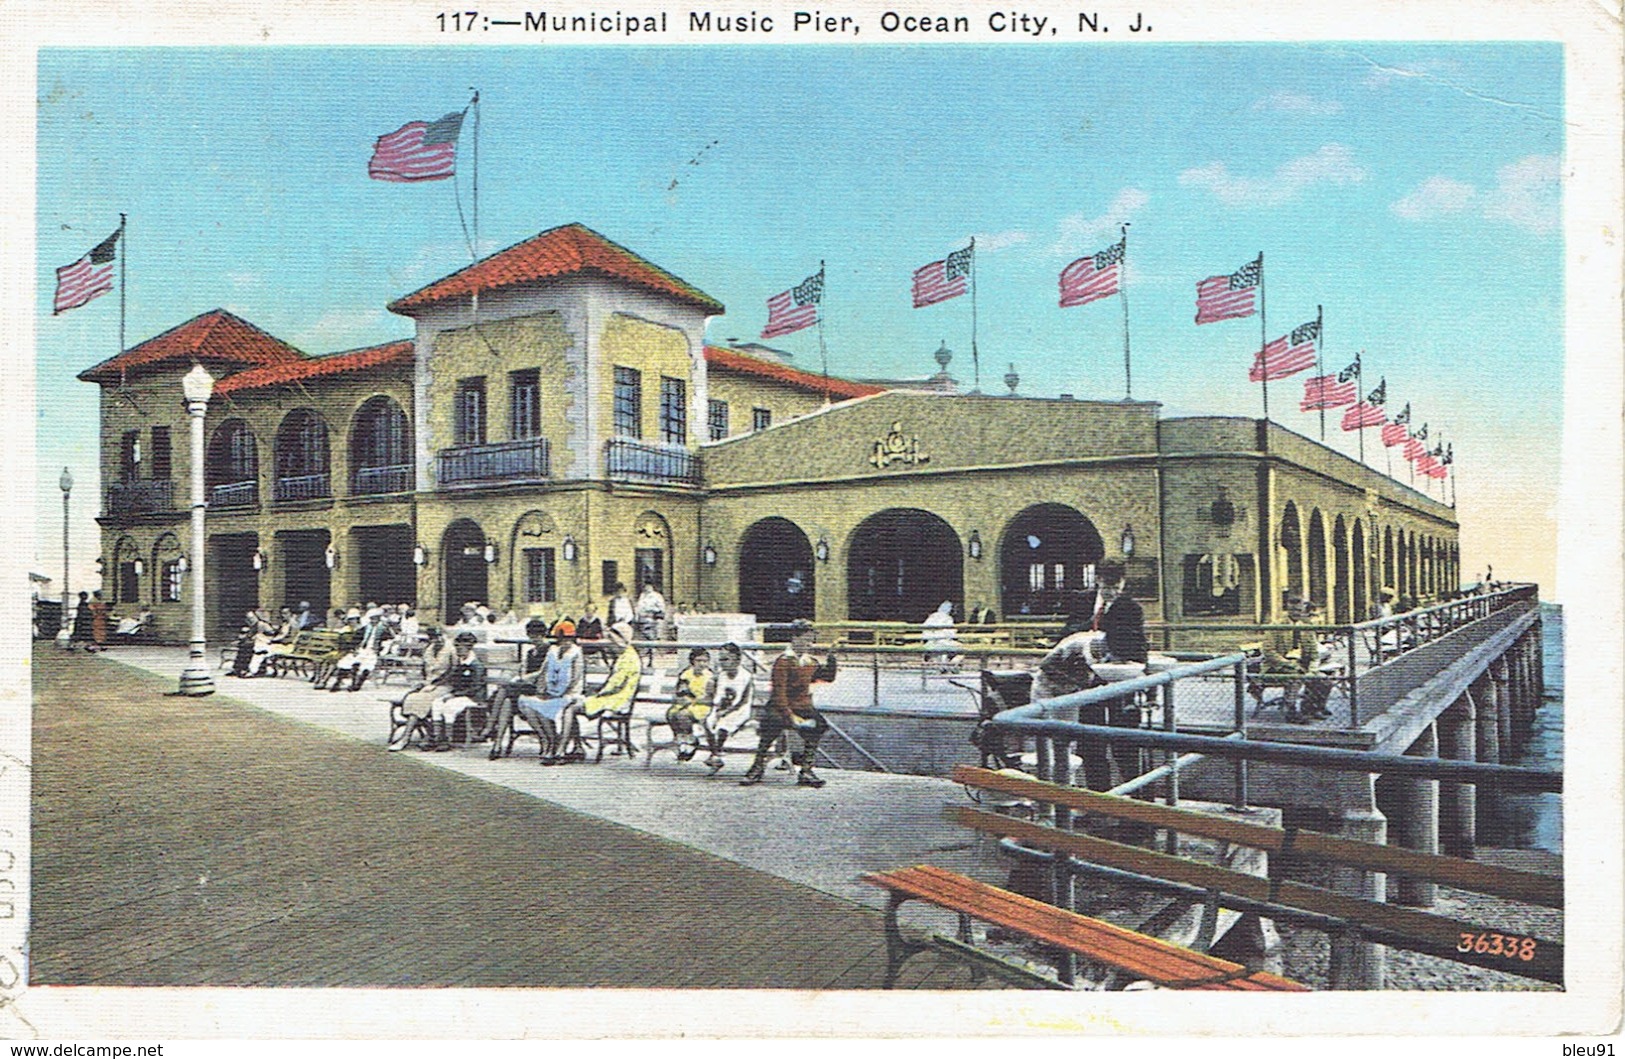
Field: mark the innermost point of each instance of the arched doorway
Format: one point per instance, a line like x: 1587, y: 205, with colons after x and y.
x: 1362, y: 574
x: 1340, y: 570
x: 1291, y: 551
x: 167, y: 574
x: 1317, y: 560
x: 463, y: 566
x: 651, y: 556
x: 1049, y: 550
x: 126, y: 576
x: 776, y: 575
x: 901, y: 564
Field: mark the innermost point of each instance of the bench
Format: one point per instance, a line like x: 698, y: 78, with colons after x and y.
x: 312, y: 652
x: 1138, y: 955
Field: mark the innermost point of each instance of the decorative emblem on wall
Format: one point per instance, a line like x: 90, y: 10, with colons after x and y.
x: 897, y: 448
x: 651, y: 528
x: 536, y: 524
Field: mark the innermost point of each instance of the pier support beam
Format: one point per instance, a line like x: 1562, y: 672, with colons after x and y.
x: 1458, y: 802
x: 1503, y: 710
x: 1416, y: 823
x: 1482, y: 695
x: 1358, y: 964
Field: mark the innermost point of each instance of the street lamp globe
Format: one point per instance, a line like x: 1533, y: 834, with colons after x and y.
x: 198, y: 384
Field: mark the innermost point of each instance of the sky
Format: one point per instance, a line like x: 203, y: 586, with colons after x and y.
x: 1411, y: 190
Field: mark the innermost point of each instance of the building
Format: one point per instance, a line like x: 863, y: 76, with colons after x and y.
x: 557, y: 425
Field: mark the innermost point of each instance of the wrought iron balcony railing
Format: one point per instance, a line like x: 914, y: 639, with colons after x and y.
x: 303, y: 487
x: 525, y: 460
x: 370, y: 481
x: 140, y: 496
x: 235, y: 494
x: 645, y: 461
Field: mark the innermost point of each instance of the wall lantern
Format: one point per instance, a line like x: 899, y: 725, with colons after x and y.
x: 140, y: 568
x: 135, y: 450
x: 331, y: 556
x: 975, y: 547
x: 710, y: 555
x: 101, y: 566
x: 1128, y: 541
x: 569, y: 548
x: 181, y: 565
x: 490, y: 551
x: 821, y: 550
x: 259, y: 559
x: 420, y: 556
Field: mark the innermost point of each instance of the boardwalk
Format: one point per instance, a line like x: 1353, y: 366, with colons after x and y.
x: 203, y: 842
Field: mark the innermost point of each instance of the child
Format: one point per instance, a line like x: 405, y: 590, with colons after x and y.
x: 691, y: 703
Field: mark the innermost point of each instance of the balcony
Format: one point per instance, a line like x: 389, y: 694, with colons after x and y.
x: 303, y: 487
x: 140, y: 497
x: 643, y: 461
x: 235, y: 494
x: 526, y: 460
x: 370, y: 481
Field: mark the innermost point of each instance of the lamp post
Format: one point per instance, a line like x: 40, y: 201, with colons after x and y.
x: 62, y: 637
x: 198, y: 386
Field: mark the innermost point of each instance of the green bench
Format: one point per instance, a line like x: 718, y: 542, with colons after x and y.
x: 311, y: 653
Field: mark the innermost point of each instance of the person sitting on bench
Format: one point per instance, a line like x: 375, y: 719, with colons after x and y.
x: 1295, y: 653
x: 560, y: 678
x: 614, y: 696
x: 418, y: 704
x: 691, y: 703
x: 733, y: 696
x: 358, y: 663
x: 530, y: 671
x: 130, y: 628
x: 460, y: 687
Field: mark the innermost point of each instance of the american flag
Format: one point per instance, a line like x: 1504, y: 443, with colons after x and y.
x: 1093, y: 277
x: 796, y: 308
x: 1426, y: 463
x: 1229, y: 297
x: 1394, y: 433
x: 1325, y: 391
x: 1380, y: 394
x: 1288, y: 354
x: 418, y: 150
x: 1437, y: 471
x: 1365, y: 414
x: 1422, y: 435
x: 1449, y: 454
x: 89, y: 277
x: 941, y: 280
x: 1405, y: 415
x: 1414, y: 449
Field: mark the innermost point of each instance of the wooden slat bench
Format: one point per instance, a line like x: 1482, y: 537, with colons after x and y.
x: 1137, y: 955
x: 311, y: 652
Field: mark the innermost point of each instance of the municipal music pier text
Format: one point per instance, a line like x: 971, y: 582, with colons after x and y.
x: 1003, y: 23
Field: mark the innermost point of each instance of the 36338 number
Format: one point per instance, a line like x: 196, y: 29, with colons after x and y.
x: 1489, y: 943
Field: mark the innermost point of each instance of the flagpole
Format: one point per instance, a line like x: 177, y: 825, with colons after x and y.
x: 823, y: 351
x: 476, y: 106
x: 1320, y: 364
x: 1263, y: 338
x: 1122, y: 293
x: 975, y: 359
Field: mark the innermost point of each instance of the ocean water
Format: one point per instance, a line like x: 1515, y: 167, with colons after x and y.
x: 1533, y: 821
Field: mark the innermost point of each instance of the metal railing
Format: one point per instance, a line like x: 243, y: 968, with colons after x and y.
x: 645, y: 461
x: 302, y: 487
x: 139, y: 496
x: 525, y: 460
x: 235, y: 494
x: 394, y: 478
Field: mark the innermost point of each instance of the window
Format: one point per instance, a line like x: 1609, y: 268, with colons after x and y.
x: 716, y: 419
x: 612, y: 577
x: 129, y: 461
x: 539, y: 584
x: 628, y: 403
x: 761, y: 418
x: 1213, y: 585
x: 524, y: 404
x: 471, y: 411
x: 673, y: 411
x: 162, y: 453
x: 169, y: 585
x: 129, y: 583
x: 651, y: 567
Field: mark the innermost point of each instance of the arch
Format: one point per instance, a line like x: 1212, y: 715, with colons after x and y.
x: 901, y: 563
x: 126, y: 582
x: 1362, y: 572
x: 1402, y: 567
x: 1047, y: 551
x: 1342, y: 571
x: 464, y: 573
x: 380, y: 448
x: 166, y: 576
x: 1291, y: 545
x: 1317, y: 560
x: 1388, y: 570
x: 652, y: 551
x: 777, y: 576
x: 231, y: 467
x: 1412, y: 565
x: 302, y: 457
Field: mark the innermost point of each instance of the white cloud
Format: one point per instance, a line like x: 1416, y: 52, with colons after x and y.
x: 1078, y: 232
x: 1332, y: 164
x: 1435, y: 196
x: 1526, y: 193
x: 1299, y: 104
x: 992, y: 244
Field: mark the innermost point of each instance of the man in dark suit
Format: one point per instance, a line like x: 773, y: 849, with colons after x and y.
x: 1119, y: 616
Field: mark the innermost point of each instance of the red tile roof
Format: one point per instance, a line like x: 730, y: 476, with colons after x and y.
x: 570, y: 250
x: 216, y: 336
x: 318, y: 367
x: 731, y: 360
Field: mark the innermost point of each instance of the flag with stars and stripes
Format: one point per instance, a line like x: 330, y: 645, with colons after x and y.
x: 89, y: 277
x: 1325, y: 391
x: 1365, y: 414
x: 1288, y: 354
x: 796, y: 308
x: 1395, y: 433
x: 1230, y: 297
x: 418, y: 150
x: 941, y: 280
x: 1094, y: 276
x: 1414, y: 449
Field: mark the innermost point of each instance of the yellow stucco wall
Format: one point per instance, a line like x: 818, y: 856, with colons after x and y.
x: 743, y: 393
x: 654, y: 351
